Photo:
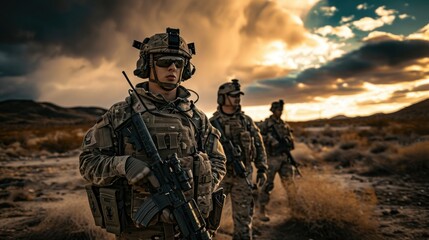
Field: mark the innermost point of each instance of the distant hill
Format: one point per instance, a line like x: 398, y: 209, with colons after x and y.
x: 28, y: 112
x: 416, y: 112
x: 339, y: 117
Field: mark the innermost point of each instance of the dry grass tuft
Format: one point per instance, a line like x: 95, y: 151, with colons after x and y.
x: 330, y: 211
x: 411, y: 160
x: 344, y: 158
x: 70, y: 219
x: 41, y: 140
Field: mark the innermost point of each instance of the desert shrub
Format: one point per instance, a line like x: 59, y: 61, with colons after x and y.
x: 367, y: 133
x: 328, y: 132
x: 348, y: 145
x: 345, y: 158
x: 379, y: 148
x: 378, y: 123
x: 419, y: 127
x: 61, y: 142
x: 352, y: 136
x: 70, y: 219
x: 304, y: 155
x: 36, y: 139
x: 378, y: 165
x: 326, y: 141
x: 411, y: 160
x: 330, y: 211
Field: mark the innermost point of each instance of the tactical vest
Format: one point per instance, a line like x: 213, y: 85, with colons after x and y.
x: 172, y: 133
x: 238, y: 129
x: 283, y: 130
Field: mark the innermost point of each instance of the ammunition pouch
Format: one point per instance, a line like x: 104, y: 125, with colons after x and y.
x: 93, y: 194
x: 213, y: 221
x: 108, y: 207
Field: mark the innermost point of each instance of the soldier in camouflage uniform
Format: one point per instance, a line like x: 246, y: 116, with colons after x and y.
x: 243, y: 133
x: 278, y: 162
x: 176, y: 126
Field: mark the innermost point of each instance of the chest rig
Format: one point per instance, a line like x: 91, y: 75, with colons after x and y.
x: 237, y: 128
x: 281, y: 131
x: 172, y: 132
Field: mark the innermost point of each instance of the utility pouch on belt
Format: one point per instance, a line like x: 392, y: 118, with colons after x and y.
x: 113, y: 209
x: 94, y: 203
x: 218, y: 198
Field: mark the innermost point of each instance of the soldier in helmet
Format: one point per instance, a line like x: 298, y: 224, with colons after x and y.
x: 243, y: 144
x: 121, y: 174
x: 278, y: 139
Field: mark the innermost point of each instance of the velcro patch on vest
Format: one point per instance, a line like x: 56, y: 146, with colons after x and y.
x: 167, y: 140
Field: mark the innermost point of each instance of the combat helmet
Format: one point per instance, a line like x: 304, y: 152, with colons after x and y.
x: 232, y: 87
x: 277, y: 105
x: 169, y: 43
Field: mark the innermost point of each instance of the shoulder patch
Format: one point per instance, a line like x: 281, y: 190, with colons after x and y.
x: 89, y: 139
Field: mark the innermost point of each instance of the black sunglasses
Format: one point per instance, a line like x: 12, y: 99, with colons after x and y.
x: 165, y: 62
x: 234, y: 95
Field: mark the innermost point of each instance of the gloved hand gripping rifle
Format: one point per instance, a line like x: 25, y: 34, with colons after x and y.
x: 173, y: 180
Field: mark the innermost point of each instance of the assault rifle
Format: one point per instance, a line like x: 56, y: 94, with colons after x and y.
x: 233, y: 154
x: 285, y: 146
x: 173, y: 180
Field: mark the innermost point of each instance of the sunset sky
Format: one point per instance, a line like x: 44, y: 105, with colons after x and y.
x: 323, y: 58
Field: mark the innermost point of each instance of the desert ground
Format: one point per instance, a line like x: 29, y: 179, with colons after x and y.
x: 358, y: 183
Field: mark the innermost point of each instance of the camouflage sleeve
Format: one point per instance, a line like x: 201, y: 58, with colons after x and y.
x: 261, y: 156
x: 98, y: 162
x: 290, y: 136
x: 215, y: 152
x: 263, y: 127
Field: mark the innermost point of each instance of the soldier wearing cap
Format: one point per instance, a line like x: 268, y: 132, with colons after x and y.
x: 120, y: 174
x: 243, y: 135
x: 275, y: 131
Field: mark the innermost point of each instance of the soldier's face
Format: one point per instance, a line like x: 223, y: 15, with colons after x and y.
x: 233, y: 99
x: 278, y: 113
x: 168, y: 69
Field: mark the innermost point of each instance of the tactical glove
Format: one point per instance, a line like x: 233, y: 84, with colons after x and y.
x: 261, y: 178
x: 167, y: 216
x: 136, y: 170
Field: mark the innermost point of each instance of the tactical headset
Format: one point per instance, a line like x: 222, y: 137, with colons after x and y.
x: 175, y: 45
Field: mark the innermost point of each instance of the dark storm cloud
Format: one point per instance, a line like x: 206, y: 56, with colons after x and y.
x: 33, y: 32
x: 12, y: 88
x: 58, y: 27
x: 376, y: 63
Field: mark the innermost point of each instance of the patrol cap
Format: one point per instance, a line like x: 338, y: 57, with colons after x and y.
x: 232, y: 87
x: 277, y: 105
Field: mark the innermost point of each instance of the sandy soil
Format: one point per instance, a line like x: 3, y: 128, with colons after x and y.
x: 32, y: 191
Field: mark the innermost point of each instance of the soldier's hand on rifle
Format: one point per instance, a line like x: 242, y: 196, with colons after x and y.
x: 261, y: 178
x: 136, y: 171
x: 167, y: 216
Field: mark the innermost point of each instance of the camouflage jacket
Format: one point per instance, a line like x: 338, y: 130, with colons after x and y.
x: 242, y: 131
x: 176, y: 127
x: 273, y: 139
